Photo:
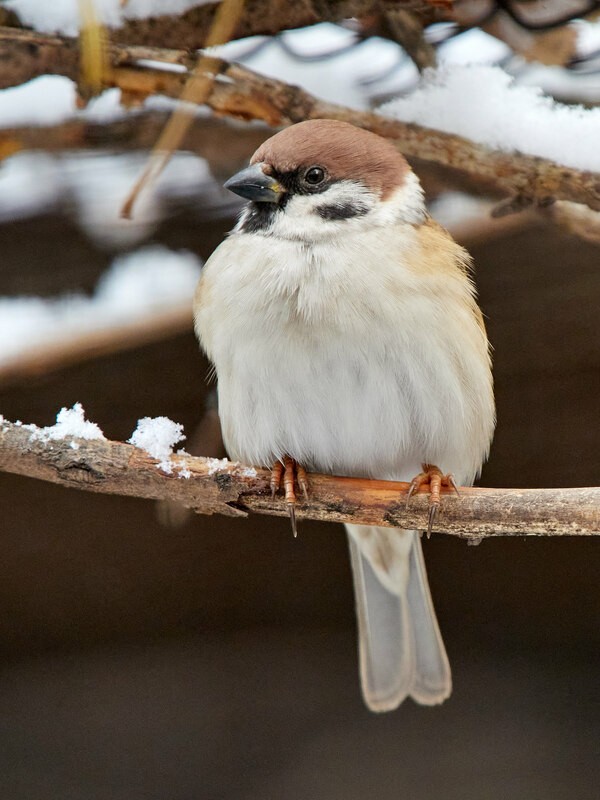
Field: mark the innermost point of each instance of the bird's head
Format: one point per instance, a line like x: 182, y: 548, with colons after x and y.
x: 322, y: 178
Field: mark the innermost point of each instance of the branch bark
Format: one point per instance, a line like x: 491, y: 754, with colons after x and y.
x: 243, y: 94
x: 225, y: 488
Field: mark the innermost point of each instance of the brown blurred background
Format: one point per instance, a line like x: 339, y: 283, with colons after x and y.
x: 217, y: 659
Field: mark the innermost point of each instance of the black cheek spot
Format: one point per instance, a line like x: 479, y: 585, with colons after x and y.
x: 338, y: 211
x: 260, y: 217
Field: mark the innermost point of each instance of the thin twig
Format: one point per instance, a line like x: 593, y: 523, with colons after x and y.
x: 94, y: 58
x: 225, y: 488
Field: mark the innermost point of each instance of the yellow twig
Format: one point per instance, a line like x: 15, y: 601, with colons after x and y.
x: 94, y: 57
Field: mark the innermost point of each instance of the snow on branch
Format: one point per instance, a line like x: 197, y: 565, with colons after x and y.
x: 238, y: 92
x: 485, y: 104
x: 75, y: 455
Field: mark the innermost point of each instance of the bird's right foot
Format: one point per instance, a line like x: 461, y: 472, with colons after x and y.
x: 435, y: 478
x: 287, y: 472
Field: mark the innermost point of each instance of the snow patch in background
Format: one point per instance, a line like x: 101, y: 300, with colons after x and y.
x: 69, y: 422
x: 100, y: 184
x: 473, y: 47
x: 147, y: 280
x: 52, y: 99
x: 29, y: 184
x: 157, y: 436
x: 47, y: 100
x: 484, y: 104
x: 452, y: 209
x: 96, y: 185
x: 151, y: 279
x: 106, y: 107
x: 588, y: 37
x: 62, y: 16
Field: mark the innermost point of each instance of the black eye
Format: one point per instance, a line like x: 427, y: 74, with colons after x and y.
x: 314, y: 176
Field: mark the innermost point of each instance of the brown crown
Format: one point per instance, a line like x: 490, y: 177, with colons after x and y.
x: 345, y: 151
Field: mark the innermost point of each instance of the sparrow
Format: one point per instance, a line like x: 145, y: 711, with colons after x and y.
x: 344, y: 330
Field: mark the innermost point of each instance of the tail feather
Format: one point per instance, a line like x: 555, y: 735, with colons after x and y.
x: 433, y: 679
x: 400, y: 647
x: 383, y: 635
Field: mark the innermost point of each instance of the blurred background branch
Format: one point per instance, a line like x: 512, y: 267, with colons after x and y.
x: 190, y: 30
x: 244, y: 94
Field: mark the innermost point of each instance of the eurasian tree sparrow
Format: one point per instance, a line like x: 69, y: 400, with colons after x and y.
x: 343, y: 326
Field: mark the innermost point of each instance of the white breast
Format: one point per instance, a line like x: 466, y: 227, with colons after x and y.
x: 344, y: 358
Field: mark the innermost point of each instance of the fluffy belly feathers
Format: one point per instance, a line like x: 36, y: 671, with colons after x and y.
x: 375, y: 391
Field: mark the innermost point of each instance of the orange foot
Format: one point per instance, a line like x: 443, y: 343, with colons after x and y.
x: 287, y: 471
x: 434, y: 477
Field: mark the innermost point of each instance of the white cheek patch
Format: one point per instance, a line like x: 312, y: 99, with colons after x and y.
x: 405, y: 204
x: 343, y: 206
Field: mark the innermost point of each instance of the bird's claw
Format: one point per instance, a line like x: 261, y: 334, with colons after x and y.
x: 288, y: 471
x: 276, y: 474
x: 292, y: 512
x: 433, y: 476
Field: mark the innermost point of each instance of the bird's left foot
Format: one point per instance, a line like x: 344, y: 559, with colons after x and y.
x: 435, y: 479
x: 288, y: 471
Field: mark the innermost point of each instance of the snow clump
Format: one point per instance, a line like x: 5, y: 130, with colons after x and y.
x: 157, y: 436
x: 69, y: 422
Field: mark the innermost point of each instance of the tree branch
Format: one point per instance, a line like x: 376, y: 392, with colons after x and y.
x: 225, y: 488
x: 241, y: 93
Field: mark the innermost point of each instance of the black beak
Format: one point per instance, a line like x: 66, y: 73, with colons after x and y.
x: 253, y: 184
